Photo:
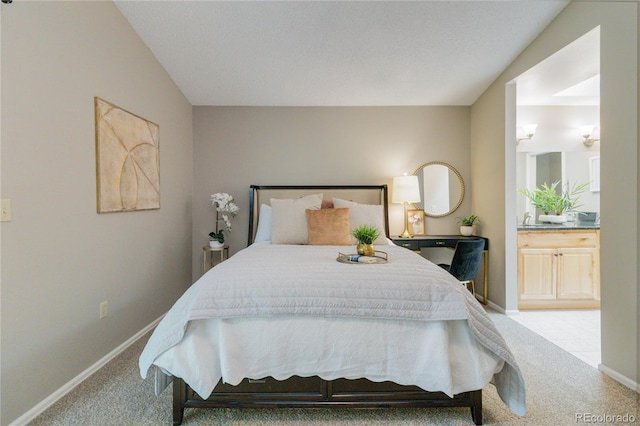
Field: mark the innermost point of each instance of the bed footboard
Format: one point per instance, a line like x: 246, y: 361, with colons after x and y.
x: 314, y: 392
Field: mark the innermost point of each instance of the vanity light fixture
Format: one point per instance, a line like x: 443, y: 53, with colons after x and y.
x: 406, y: 189
x: 588, y: 133
x: 525, y: 132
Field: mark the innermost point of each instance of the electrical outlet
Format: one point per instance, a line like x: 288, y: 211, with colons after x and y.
x: 104, y: 309
x: 5, y: 210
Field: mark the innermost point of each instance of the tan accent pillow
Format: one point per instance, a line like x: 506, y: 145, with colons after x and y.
x: 288, y: 220
x: 329, y: 227
x: 364, y: 214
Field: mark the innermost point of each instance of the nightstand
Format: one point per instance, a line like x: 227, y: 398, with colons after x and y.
x: 212, y: 256
x: 447, y: 241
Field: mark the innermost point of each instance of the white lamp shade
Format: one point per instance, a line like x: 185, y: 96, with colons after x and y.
x: 406, y: 189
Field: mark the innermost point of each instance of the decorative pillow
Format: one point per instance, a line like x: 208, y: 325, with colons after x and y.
x: 264, y: 224
x: 364, y: 214
x: 288, y: 219
x: 329, y: 227
x: 327, y: 204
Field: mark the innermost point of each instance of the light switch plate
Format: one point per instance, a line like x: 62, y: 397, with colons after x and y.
x: 5, y: 210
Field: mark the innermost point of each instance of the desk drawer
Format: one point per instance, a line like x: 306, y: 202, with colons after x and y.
x: 418, y: 243
x: 410, y: 244
x: 444, y: 243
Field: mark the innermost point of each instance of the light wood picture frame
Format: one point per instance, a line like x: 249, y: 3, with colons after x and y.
x: 127, y: 160
x: 415, y: 220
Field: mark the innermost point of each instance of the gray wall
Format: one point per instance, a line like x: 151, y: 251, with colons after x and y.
x: 235, y: 147
x: 60, y: 258
x: 493, y: 160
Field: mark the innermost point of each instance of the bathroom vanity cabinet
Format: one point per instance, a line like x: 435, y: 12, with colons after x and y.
x: 558, y: 268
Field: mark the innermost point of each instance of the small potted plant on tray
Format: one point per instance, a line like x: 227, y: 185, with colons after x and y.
x: 467, y: 223
x: 366, y: 235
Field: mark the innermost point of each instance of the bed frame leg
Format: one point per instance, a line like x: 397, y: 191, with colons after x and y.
x: 476, y: 407
x: 179, y: 399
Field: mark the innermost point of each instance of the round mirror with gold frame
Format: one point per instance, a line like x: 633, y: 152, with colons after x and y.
x: 441, y: 189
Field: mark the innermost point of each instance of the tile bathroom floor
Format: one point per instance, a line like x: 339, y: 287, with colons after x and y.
x: 576, y: 331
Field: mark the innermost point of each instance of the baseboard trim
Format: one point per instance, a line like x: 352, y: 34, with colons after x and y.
x: 490, y: 304
x: 496, y: 307
x: 619, y: 377
x: 69, y: 386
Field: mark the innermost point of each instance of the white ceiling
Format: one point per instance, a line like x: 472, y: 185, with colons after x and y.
x: 570, y: 76
x: 326, y: 53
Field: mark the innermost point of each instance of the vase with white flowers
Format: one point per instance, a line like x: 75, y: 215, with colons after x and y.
x: 226, y: 208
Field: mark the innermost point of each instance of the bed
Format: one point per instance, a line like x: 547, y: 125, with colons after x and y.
x: 282, y: 323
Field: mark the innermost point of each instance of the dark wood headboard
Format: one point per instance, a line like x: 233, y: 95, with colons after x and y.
x: 365, y: 194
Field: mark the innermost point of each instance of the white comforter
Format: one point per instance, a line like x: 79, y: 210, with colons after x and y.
x: 422, y: 326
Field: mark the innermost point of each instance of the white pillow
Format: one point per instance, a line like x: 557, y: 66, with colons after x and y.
x: 264, y: 224
x: 364, y: 214
x: 289, y: 220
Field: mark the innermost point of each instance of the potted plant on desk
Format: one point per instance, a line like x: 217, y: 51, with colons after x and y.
x: 467, y: 223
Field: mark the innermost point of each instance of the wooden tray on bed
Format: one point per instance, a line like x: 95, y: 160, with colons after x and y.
x: 355, y: 259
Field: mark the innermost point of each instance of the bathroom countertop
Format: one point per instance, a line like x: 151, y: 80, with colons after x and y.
x: 539, y: 226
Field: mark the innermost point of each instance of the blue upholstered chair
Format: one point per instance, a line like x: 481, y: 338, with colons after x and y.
x: 466, y: 262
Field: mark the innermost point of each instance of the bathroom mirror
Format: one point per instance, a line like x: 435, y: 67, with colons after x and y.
x: 441, y: 189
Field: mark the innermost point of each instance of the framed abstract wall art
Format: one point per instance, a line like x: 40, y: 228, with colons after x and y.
x: 127, y: 160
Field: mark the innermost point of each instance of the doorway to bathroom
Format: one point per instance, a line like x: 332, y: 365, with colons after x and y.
x: 557, y: 119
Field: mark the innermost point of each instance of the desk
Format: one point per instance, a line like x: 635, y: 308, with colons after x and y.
x: 447, y: 241
x: 222, y: 252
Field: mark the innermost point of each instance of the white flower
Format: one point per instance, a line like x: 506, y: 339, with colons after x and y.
x: 224, y: 202
x: 227, y: 222
x: 415, y: 218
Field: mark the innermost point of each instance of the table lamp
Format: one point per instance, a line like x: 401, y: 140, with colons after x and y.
x: 406, y: 190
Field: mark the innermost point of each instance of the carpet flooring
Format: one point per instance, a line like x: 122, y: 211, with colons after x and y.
x: 561, y: 390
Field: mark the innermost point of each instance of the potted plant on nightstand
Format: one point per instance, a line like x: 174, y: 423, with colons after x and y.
x: 225, y: 204
x: 216, y: 239
x: 366, y: 235
x: 467, y: 223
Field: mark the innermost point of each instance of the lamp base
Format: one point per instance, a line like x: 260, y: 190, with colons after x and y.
x: 405, y: 233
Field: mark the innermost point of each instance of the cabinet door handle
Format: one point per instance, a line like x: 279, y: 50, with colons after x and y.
x: 257, y: 380
x: 440, y: 243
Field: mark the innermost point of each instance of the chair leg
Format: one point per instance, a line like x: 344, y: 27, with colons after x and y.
x: 470, y: 285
